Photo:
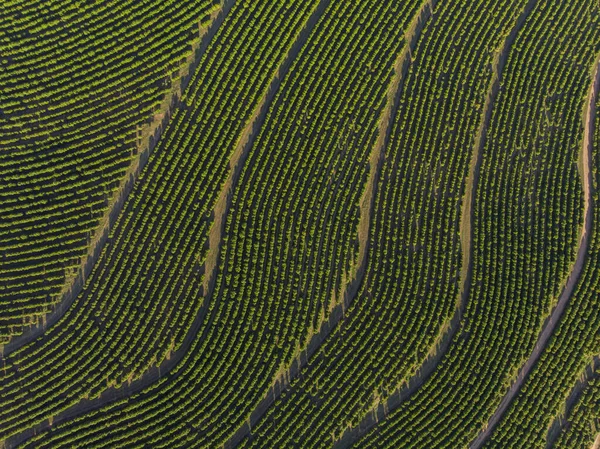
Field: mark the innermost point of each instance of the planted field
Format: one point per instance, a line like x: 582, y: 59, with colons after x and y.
x: 83, y: 86
x: 299, y: 224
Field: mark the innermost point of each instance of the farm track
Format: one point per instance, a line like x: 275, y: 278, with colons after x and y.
x: 221, y: 208
x: 243, y: 147
x: 151, y: 134
x: 376, y: 158
x: 450, y: 328
x: 172, y: 402
x: 554, y: 318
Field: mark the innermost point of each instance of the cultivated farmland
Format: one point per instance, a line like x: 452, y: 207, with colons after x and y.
x: 299, y: 224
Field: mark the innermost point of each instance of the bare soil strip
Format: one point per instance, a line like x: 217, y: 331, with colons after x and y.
x: 596, y: 444
x: 222, y: 205
x: 150, y: 135
x: 376, y: 158
x: 586, y: 230
x: 449, y: 329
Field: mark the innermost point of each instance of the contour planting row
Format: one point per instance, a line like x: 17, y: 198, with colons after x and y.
x: 412, y: 280
x: 577, y: 337
x: 528, y: 214
x: 583, y: 428
x: 79, y: 81
x: 290, y: 239
x: 376, y: 157
x: 146, y: 289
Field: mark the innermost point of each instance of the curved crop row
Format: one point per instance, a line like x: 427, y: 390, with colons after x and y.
x: 412, y: 281
x: 146, y: 290
x: 290, y: 239
x: 528, y: 212
x: 80, y: 83
x: 367, y: 201
x: 576, y: 338
x: 583, y: 429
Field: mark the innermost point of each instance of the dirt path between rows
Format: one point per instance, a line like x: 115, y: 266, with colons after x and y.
x: 244, y: 144
x: 596, y: 444
x: 221, y: 208
x: 553, y: 320
x: 150, y: 135
x: 449, y: 329
x: 376, y: 158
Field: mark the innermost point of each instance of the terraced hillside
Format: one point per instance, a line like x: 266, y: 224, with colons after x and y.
x: 302, y: 224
